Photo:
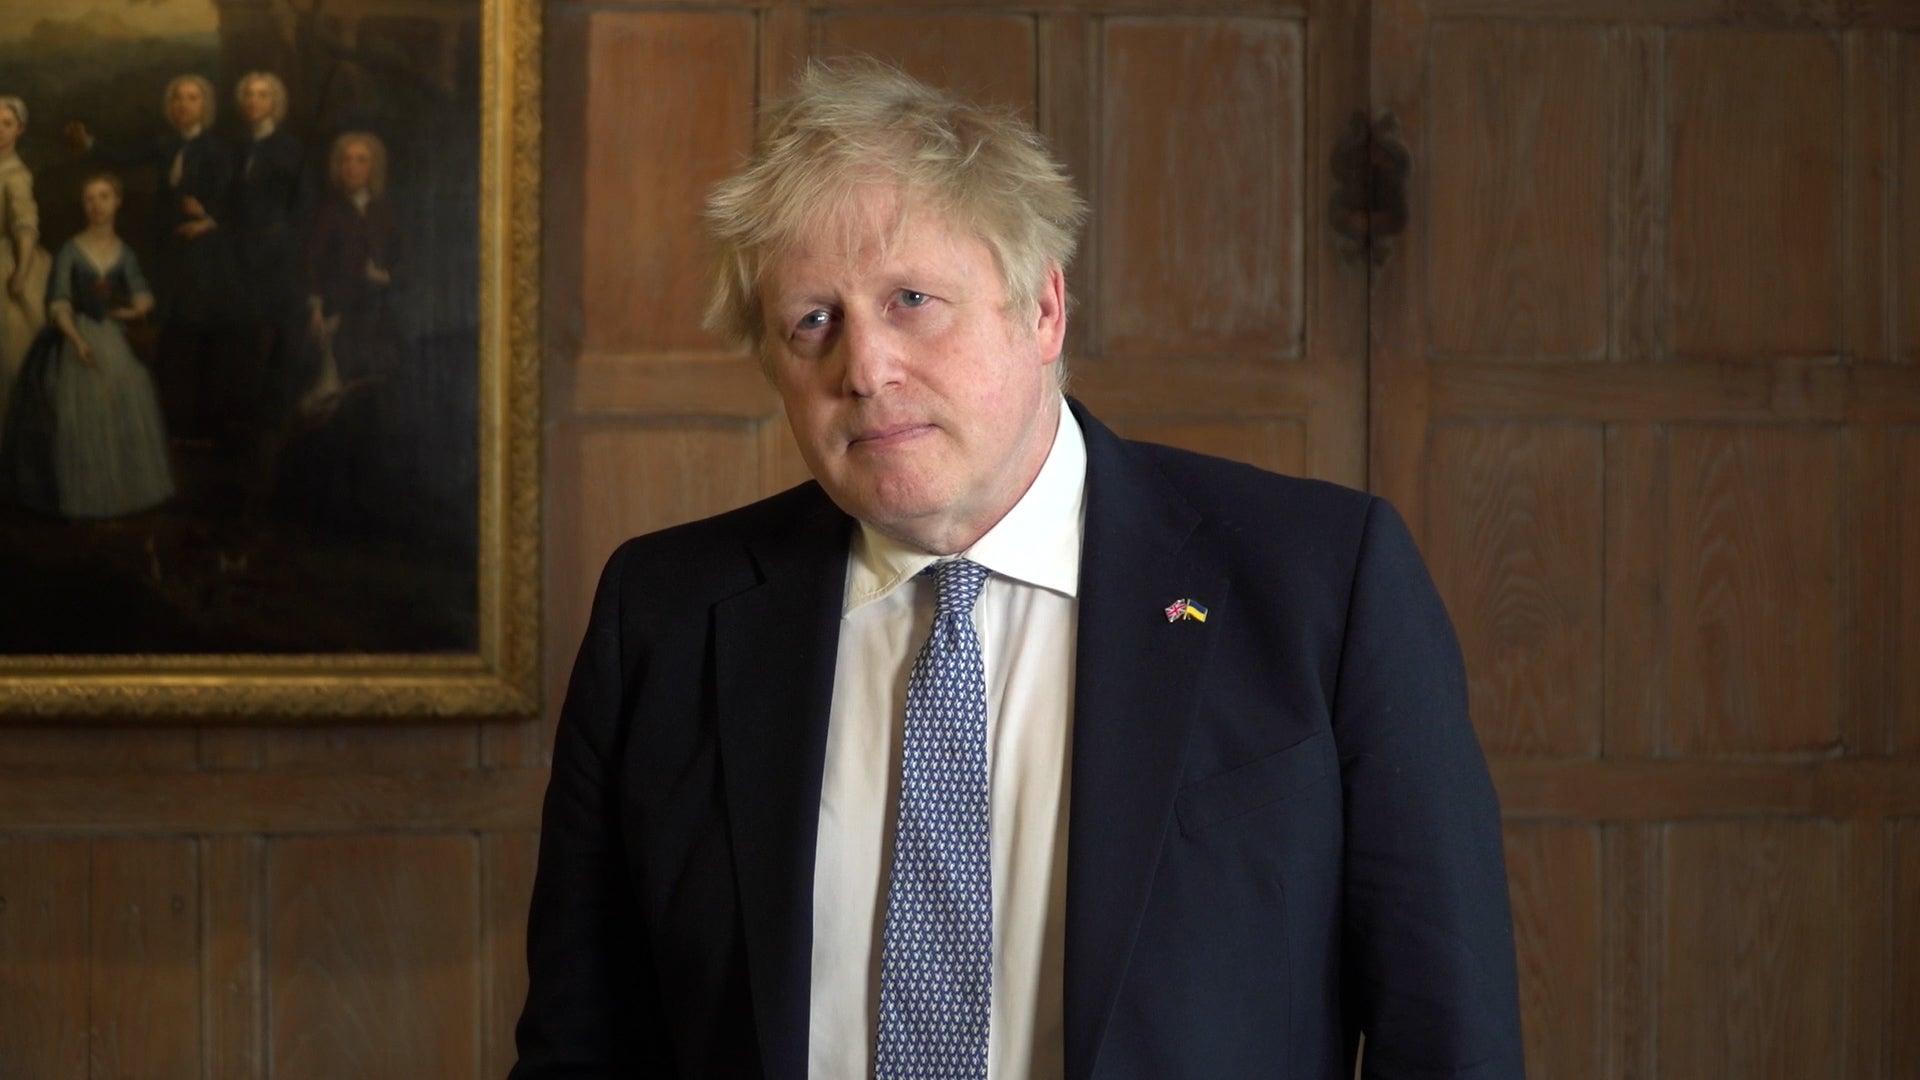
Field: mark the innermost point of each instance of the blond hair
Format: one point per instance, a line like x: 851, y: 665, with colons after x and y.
x: 854, y: 123
x: 273, y: 82
x: 377, y: 178
x: 207, y: 103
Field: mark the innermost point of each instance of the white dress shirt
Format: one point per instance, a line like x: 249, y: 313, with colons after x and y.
x: 1027, y: 620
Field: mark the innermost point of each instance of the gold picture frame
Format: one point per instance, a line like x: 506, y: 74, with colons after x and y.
x: 492, y: 669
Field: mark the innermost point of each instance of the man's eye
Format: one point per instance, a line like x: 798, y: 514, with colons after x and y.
x: 909, y: 298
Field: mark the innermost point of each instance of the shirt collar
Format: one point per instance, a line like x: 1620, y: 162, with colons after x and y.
x: 1038, y: 541
x: 262, y: 128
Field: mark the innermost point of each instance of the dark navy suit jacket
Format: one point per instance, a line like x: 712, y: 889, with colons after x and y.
x: 1281, y: 829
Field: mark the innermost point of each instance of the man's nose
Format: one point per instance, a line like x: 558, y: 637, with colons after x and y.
x: 869, y: 355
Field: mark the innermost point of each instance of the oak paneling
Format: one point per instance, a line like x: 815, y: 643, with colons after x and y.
x: 1904, y: 561
x: 1513, y: 535
x: 372, y: 956
x: 1904, y: 1003
x: 1756, y: 609
x: 1756, y: 216
x: 98, y: 747
x: 1635, y: 647
x: 1553, y: 878
x: 1200, y: 200
x: 1752, y: 960
x: 420, y: 746
x: 1518, y: 207
x: 1632, y: 914
x: 669, y: 112
x: 1867, y: 59
x: 1906, y: 204
x: 1276, y: 445
x: 232, y: 871
x: 144, y: 1002
x: 1638, y: 179
x: 44, y: 958
x: 988, y: 56
x: 507, y: 864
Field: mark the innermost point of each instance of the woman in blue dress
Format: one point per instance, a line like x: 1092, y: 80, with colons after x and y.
x: 84, y: 438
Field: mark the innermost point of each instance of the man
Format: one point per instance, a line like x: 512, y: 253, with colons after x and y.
x: 1190, y: 790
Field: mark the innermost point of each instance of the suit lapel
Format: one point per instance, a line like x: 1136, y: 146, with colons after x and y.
x: 774, y: 653
x: 1134, y: 694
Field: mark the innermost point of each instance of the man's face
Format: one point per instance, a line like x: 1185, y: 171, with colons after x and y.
x: 256, y: 100
x: 185, y: 104
x: 922, y: 405
x: 356, y: 167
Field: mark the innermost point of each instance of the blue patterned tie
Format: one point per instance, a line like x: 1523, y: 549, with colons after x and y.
x: 936, y: 955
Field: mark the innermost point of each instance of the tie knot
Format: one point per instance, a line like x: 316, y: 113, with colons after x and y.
x: 959, y: 582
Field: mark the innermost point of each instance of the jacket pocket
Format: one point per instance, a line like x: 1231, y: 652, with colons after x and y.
x: 1246, y: 788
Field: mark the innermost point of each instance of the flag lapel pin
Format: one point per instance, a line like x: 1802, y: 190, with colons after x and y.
x: 1186, y: 609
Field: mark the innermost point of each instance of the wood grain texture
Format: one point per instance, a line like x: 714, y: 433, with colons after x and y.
x: 1866, y: 287
x: 1906, y: 153
x: 1519, y: 195
x: 1067, y: 46
x: 373, y: 965
x: 1644, y: 790
x: 1786, y: 14
x: 1638, y: 187
x: 1870, y: 560
x: 1634, y: 645
x: 1275, y: 445
x: 398, y: 746
x: 1756, y: 607
x: 44, y: 958
x: 247, y: 803
x: 1513, y: 537
x: 506, y: 863
x: 1200, y: 190
x: 1553, y: 879
x: 1904, y: 620
x: 1864, y: 1006
x: 98, y: 746
x: 1757, y: 193
x: 144, y: 1004
x: 1632, y: 929
x: 985, y: 56
x: 1819, y: 390
x: 669, y: 111
x: 1904, y: 946
x: 232, y: 938
x: 1752, y: 958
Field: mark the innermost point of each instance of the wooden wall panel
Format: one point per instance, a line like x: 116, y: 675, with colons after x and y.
x: 1904, y: 561
x: 507, y: 865
x: 1904, y: 1002
x: 1756, y: 214
x: 1278, y: 445
x: 1517, y: 204
x: 372, y: 956
x: 1756, y: 606
x: 401, y: 746
x: 1752, y: 959
x: 44, y: 953
x: 232, y: 937
x: 1553, y: 875
x: 987, y: 56
x: 98, y: 747
x: 1513, y: 536
x: 1201, y: 204
x: 1906, y: 199
x: 144, y: 1002
x: 669, y: 112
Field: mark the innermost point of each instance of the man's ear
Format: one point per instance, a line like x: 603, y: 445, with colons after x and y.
x: 1050, y: 315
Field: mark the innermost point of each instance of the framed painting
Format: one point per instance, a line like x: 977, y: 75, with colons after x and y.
x: 269, y: 383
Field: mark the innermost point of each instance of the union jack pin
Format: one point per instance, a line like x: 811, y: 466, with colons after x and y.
x: 1185, y: 609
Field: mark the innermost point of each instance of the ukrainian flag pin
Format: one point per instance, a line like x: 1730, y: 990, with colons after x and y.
x: 1184, y: 608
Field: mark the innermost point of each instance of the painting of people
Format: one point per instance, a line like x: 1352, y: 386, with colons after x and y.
x: 240, y: 403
